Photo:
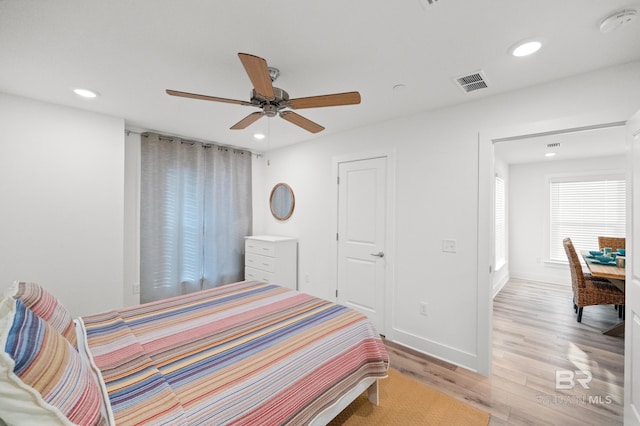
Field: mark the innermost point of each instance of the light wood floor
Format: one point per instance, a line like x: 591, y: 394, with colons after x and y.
x: 535, y: 333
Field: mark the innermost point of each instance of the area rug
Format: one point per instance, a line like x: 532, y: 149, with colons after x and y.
x: 406, y: 402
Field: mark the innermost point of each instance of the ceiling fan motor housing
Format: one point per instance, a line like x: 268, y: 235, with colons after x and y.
x: 279, y: 96
x: 270, y: 107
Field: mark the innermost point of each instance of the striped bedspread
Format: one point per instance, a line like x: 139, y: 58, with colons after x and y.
x: 244, y: 353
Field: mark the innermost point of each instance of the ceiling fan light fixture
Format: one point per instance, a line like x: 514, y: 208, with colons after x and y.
x: 550, y: 154
x: 258, y: 136
x: 525, y: 48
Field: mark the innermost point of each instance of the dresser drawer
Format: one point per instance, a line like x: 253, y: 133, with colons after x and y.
x: 258, y: 261
x: 258, y: 275
x: 265, y: 248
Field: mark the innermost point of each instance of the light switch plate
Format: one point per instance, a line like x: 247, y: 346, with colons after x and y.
x: 449, y: 246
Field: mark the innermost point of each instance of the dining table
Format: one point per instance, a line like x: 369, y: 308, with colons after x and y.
x: 615, y: 274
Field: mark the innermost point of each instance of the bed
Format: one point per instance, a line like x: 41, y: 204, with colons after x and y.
x: 244, y: 353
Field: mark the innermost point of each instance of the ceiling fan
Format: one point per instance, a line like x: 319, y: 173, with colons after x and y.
x: 272, y: 100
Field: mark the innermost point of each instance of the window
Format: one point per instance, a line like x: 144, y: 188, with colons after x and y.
x: 582, y: 208
x: 500, y: 225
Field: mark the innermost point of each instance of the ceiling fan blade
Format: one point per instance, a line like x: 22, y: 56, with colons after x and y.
x: 258, y: 73
x: 206, y: 98
x: 348, y: 98
x: 299, y: 120
x: 249, y: 119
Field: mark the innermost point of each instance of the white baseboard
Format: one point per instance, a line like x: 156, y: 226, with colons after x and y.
x: 497, y: 286
x: 552, y: 279
x: 428, y: 347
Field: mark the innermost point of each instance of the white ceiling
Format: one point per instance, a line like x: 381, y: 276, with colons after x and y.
x: 131, y: 51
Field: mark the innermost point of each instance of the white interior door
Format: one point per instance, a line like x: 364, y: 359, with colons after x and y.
x: 632, y: 314
x: 362, y: 196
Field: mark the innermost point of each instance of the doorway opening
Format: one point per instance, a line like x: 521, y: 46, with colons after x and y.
x: 520, y: 145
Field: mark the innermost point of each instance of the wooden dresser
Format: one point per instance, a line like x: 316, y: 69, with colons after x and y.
x: 271, y: 259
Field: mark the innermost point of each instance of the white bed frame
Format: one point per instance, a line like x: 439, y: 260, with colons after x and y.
x: 370, y: 385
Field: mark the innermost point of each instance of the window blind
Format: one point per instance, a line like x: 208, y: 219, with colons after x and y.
x: 584, y: 209
x: 500, y: 225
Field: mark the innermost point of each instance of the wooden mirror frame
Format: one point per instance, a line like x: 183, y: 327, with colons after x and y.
x: 275, y: 211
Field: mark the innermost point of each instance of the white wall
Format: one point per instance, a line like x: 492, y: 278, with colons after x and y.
x: 61, y: 189
x: 437, y: 167
x: 529, y: 214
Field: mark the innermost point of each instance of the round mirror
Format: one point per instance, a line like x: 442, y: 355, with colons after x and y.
x: 282, y: 201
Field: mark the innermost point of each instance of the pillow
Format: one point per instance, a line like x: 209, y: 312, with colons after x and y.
x: 46, y: 306
x: 43, y: 381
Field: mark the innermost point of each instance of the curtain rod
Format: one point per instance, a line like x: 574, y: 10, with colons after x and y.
x: 189, y: 140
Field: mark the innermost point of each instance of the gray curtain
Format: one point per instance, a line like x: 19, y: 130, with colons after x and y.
x: 195, y: 210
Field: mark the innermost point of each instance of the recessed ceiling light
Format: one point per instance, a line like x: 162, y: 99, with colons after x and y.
x: 85, y: 93
x: 526, y: 48
x: 550, y: 154
x: 258, y: 136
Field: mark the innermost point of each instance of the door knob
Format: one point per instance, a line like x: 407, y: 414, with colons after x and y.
x: 378, y: 254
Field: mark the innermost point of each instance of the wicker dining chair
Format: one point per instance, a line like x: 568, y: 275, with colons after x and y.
x: 614, y: 242
x: 588, y: 290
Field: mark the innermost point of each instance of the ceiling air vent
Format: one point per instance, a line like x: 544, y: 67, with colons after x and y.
x: 472, y: 82
x: 553, y: 145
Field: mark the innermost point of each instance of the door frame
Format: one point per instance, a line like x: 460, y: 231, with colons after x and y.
x: 390, y: 230
x: 631, y: 412
x: 486, y: 231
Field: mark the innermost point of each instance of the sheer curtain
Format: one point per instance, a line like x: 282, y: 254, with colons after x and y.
x: 195, y: 209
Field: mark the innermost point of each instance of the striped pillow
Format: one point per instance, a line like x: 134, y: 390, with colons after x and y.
x: 42, y: 378
x: 46, y: 306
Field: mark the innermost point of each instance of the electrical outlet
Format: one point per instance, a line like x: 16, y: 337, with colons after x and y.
x: 423, y: 308
x: 135, y: 288
x: 449, y: 246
